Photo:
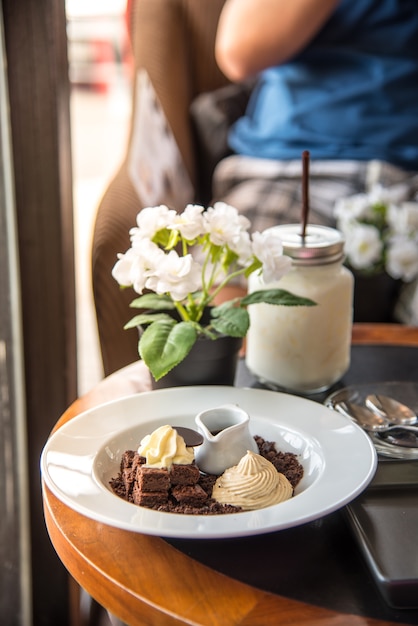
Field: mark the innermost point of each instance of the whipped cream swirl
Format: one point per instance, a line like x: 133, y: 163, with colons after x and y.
x: 252, y: 484
x: 163, y: 447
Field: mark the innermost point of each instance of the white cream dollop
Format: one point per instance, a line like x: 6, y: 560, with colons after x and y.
x: 252, y: 484
x: 163, y: 447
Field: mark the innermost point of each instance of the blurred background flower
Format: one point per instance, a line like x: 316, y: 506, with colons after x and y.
x: 381, y: 233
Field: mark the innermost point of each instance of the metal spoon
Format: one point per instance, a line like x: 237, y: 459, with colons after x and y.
x: 395, y: 412
x: 402, y: 438
x: 370, y: 421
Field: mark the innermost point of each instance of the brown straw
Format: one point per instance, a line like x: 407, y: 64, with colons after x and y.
x: 305, y: 190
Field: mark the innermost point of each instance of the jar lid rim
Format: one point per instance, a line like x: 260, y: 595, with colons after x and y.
x: 321, y: 244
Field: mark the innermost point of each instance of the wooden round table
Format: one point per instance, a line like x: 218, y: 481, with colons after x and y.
x: 143, y: 579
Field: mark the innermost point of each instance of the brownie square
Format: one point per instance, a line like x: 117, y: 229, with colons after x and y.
x: 128, y: 479
x: 184, y: 474
x: 130, y: 462
x: 131, y: 458
x: 189, y: 494
x: 152, y: 479
x: 127, y: 458
x: 149, y: 498
x: 137, y: 461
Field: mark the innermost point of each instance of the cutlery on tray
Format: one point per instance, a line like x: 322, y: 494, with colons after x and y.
x: 396, y: 412
x: 400, y: 432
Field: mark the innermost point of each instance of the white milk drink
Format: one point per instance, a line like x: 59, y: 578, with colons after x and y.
x: 300, y: 348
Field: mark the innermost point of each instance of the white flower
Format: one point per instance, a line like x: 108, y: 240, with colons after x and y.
x: 397, y: 220
x: 411, y: 211
x: 363, y: 245
x: 242, y: 247
x: 133, y: 268
x: 190, y: 223
x: 150, y: 220
x: 402, y: 259
x: 224, y: 224
x: 122, y: 270
x: 175, y: 275
x: 383, y: 195
x: 403, y: 219
x: 381, y: 231
x: 268, y: 248
x: 353, y: 208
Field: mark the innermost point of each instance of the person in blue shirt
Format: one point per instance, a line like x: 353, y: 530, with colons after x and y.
x: 337, y: 78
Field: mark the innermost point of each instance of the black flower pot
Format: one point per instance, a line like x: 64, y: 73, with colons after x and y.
x: 209, y: 362
x: 375, y: 297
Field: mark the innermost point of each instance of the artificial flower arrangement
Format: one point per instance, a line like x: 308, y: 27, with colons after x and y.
x: 179, y: 262
x: 381, y: 235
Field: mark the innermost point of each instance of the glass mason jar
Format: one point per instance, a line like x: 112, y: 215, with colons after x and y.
x: 300, y: 348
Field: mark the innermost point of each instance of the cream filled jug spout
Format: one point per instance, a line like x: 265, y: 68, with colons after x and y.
x: 226, y: 438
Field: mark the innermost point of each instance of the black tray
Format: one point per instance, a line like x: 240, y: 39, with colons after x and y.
x: 383, y: 521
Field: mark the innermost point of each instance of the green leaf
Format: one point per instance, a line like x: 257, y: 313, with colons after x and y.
x: 255, y: 266
x: 153, y: 301
x: 276, y: 296
x: 229, y: 258
x: 144, y: 319
x: 220, y: 309
x: 173, y: 239
x: 162, y: 237
x: 215, y: 253
x: 164, y: 345
x: 233, y: 322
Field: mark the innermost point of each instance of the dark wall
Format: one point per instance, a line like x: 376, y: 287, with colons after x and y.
x: 36, y: 52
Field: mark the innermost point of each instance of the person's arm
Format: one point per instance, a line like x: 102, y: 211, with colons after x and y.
x: 255, y: 34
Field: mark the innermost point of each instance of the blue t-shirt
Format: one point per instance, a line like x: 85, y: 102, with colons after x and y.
x: 351, y: 94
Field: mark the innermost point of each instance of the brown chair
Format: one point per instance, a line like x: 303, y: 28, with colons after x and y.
x: 173, y: 40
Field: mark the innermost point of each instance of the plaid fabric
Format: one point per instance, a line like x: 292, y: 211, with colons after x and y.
x: 270, y: 193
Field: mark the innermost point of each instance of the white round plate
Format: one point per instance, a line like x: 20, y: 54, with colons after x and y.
x: 79, y: 459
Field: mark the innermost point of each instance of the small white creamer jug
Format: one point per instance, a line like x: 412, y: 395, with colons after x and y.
x: 226, y: 438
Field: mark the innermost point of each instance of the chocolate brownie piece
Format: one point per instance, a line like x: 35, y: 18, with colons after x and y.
x: 152, y: 479
x: 149, y: 499
x: 189, y: 494
x: 184, y: 474
x: 130, y: 462
x: 127, y: 459
x: 207, y: 482
x: 128, y: 479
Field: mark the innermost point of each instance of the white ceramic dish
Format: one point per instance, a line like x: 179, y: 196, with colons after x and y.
x: 338, y: 457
